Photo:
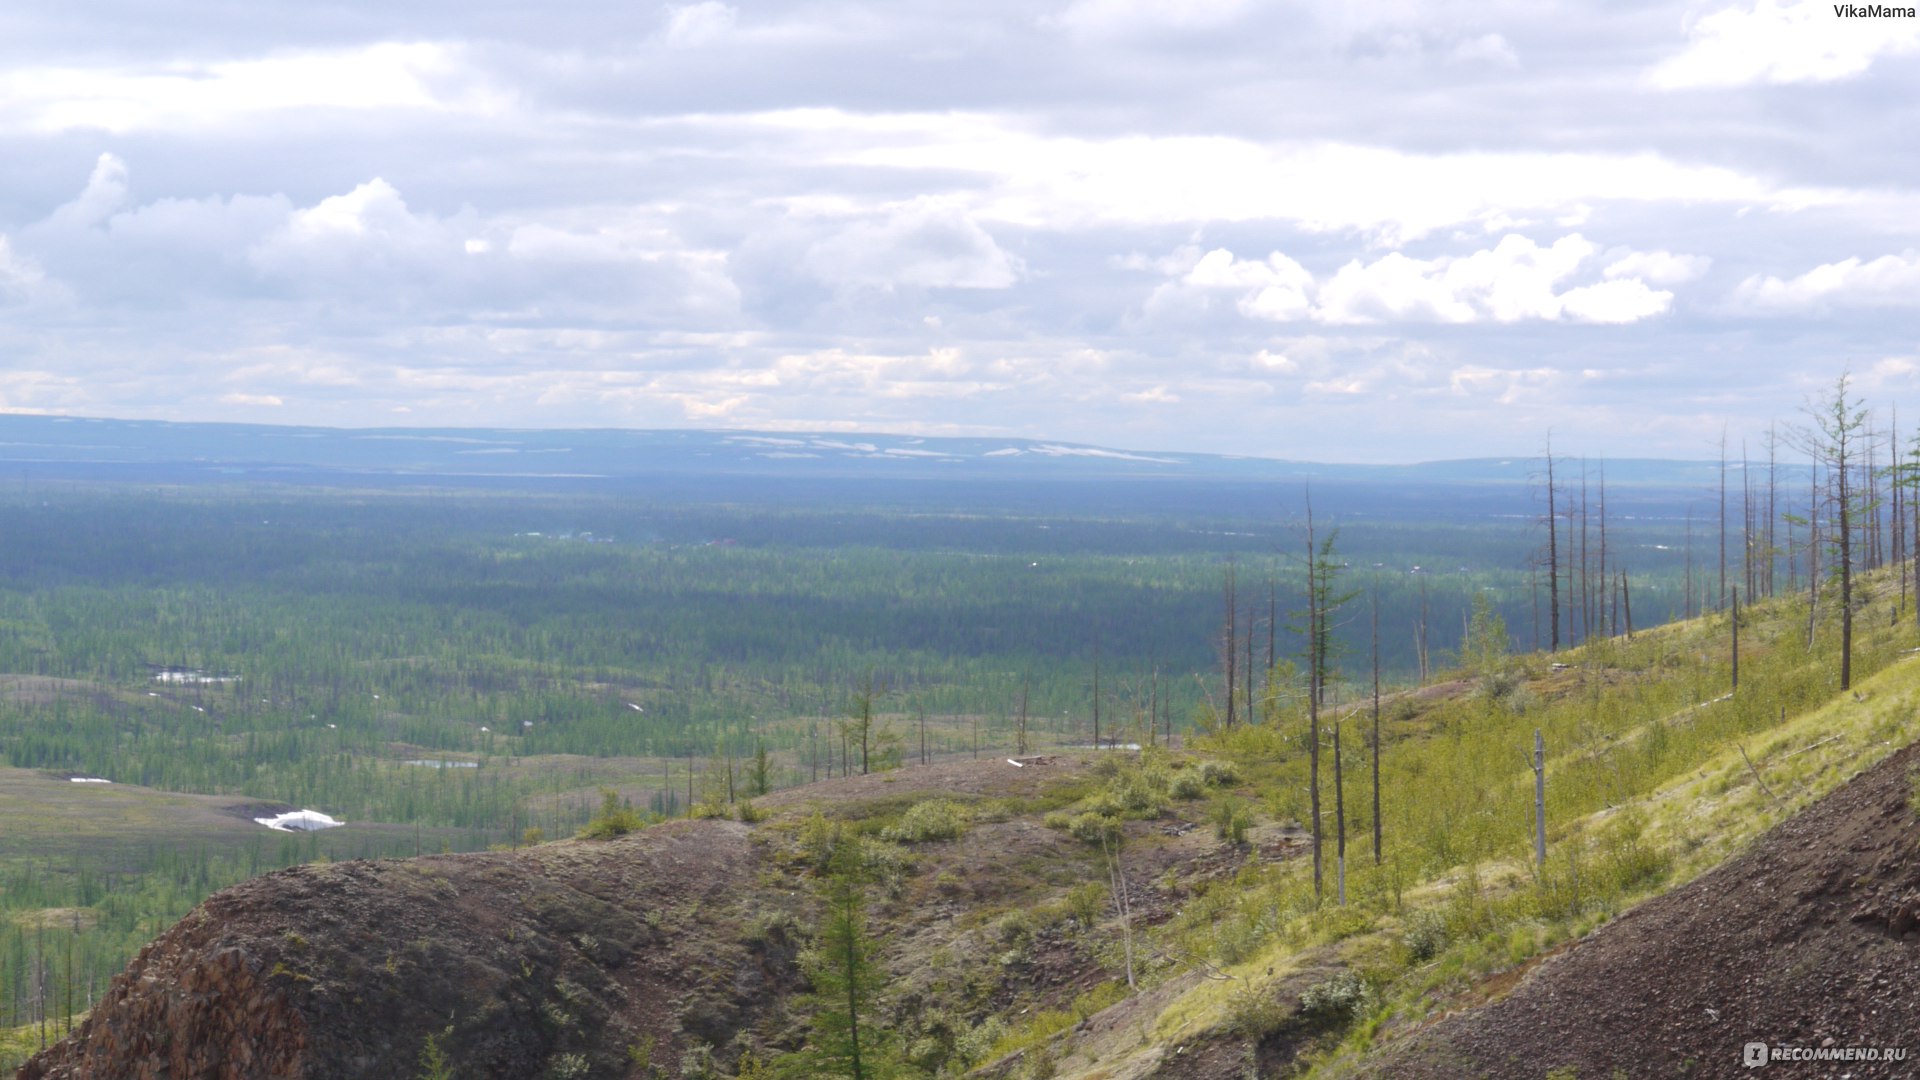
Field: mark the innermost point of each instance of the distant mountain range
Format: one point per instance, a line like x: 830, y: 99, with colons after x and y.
x: 143, y: 449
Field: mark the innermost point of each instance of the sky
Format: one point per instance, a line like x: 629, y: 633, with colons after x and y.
x: 1390, y: 231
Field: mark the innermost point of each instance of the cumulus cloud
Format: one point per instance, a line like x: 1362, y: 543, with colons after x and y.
x: 1658, y: 267
x: 935, y: 216
x: 430, y: 76
x: 1774, y: 42
x: 106, y: 192
x: 1057, y: 181
x: 924, y: 244
x: 19, y: 276
x: 692, y: 25
x: 1888, y: 281
x: 1516, y: 280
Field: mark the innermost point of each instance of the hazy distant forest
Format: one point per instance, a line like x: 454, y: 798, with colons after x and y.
x: 455, y: 668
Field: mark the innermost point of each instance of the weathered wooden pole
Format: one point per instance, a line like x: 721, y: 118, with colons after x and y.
x: 1736, y: 640
x: 1539, y: 798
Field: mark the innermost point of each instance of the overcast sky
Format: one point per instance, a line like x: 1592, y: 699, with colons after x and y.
x: 1384, y: 231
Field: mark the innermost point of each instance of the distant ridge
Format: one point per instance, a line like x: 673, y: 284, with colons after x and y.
x: 129, y: 448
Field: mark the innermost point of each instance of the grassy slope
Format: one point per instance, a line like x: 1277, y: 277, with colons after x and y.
x: 1647, y: 790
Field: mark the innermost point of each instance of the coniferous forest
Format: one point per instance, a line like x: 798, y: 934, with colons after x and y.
x: 454, y: 667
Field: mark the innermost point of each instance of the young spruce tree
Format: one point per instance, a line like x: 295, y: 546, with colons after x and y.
x: 847, y: 978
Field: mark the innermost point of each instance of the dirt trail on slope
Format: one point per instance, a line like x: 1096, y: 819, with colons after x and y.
x: 1811, y: 938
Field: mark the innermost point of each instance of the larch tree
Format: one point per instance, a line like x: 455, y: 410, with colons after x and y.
x: 844, y: 969
x: 1838, y: 423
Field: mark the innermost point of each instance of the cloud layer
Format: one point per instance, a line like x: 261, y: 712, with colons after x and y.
x: 1378, y: 231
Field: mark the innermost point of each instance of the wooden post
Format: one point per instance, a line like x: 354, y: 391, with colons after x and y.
x: 1539, y: 798
x: 1339, y: 821
x: 1736, y: 639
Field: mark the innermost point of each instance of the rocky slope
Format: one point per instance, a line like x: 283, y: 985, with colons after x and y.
x: 1809, y: 939
x: 609, y: 958
x: 559, y: 957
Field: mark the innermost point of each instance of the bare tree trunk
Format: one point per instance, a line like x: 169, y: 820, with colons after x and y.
x: 1376, y: 726
x: 1845, y: 527
x: 1539, y: 798
x: 1773, y: 511
x: 1339, y: 819
x: 1230, y: 632
x: 1584, y: 593
x: 1736, y: 641
x: 1720, y: 597
x: 1609, y: 627
x: 1313, y: 701
x: 1813, y: 551
x: 1747, y: 567
x: 1122, y: 903
x: 1626, y: 598
x: 1252, y: 717
x: 1553, y: 568
x: 1688, y: 606
x: 1096, y: 685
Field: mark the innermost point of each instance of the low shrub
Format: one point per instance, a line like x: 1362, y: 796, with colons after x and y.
x: 934, y: 819
x: 1231, y: 819
x: 1339, y: 1001
x: 615, y: 818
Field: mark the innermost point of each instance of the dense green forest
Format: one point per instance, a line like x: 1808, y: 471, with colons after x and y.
x: 448, y: 669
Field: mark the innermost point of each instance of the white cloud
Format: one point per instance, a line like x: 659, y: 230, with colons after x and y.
x: 1064, y: 182
x: 1774, y: 42
x: 105, y: 192
x: 1486, y: 49
x: 20, y: 278
x: 1507, y: 386
x: 1117, y: 18
x: 254, y: 400
x: 1279, y: 363
x: 923, y: 244
x: 1888, y: 281
x: 1622, y: 300
x: 693, y: 25
x: 1658, y: 267
x: 1516, y: 280
x: 384, y: 76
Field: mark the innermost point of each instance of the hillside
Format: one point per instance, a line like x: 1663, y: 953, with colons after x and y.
x: 1808, y: 939
x: 580, y: 958
x: 1011, y: 904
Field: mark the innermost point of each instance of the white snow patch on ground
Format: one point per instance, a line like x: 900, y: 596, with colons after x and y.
x: 299, y: 821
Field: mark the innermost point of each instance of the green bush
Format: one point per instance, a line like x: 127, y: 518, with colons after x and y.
x: 934, y: 819
x: 1186, y: 784
x: 1344, y: 999
x: 1231, y: 819
x: 615, y: 818
x: 1086, y: 902
x: 1424, y: 935
x: 1219, y: 773
x: 1254, y: 1012
x: 1093, y: 828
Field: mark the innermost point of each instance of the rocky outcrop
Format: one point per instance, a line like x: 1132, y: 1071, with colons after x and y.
x: 566, y: 959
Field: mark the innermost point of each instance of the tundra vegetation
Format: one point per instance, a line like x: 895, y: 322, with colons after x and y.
x: 454, y: 671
